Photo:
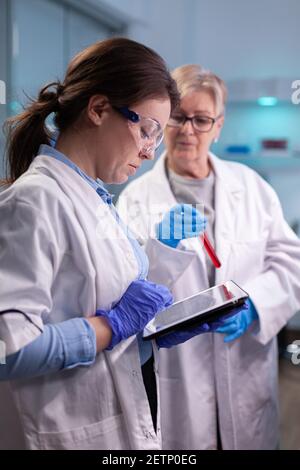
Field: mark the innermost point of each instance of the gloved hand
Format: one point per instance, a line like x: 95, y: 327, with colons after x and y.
x: 182, y: 221
x: 237, y: 324
x: 140, y: 303
x: 181, y: 336
x: 177, y: 337
x: 236, y: 317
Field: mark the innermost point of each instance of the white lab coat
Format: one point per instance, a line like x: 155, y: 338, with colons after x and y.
x: 62, y: 254
x: 260, y: 252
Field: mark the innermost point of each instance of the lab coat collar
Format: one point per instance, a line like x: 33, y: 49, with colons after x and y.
x: 161, y: 185
x: 224, y: 174
x: 59, y: 171
x: 228, y: 195
x: 97, y: 184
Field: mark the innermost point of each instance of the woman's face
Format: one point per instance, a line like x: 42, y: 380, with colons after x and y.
x: 185, y: 146
x: 122, y: 149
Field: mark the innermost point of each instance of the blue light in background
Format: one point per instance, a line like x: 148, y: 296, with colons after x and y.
x: 250, y: 123
x: 267, y: 101
x: 15, y: 107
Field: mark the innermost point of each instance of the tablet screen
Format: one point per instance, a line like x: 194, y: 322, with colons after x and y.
x: 202, y: 304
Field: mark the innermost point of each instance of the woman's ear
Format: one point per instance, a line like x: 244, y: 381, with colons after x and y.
x: 97, y: 107
x: 219, y: 126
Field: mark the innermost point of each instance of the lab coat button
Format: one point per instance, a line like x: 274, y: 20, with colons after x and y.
x: 147, y: 434
x: 130, y: 257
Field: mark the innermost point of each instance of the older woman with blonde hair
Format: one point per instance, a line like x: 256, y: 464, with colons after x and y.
x: 218, y: 390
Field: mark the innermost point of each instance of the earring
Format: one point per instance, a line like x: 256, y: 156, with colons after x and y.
x: 216, y: 140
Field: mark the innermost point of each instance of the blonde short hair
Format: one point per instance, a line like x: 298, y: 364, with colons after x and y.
x: 195, y: 78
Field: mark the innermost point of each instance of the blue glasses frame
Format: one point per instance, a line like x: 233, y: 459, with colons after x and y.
x: 128, y: 113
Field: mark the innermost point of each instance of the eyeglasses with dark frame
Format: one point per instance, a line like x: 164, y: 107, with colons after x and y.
x: 200, y: 123
x: 150, y: 129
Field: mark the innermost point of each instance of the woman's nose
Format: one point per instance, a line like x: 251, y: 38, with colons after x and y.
x: 147, y: 154
x: 187, y: 127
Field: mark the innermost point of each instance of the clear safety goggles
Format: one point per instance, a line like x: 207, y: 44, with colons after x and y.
x: 147, y: 131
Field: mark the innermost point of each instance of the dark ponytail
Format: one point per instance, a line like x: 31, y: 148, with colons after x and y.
x: 27, y: 131
x: 123, y: 70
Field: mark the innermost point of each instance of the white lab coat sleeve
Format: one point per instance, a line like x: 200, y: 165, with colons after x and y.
x: 275, y: 292
x: 166, y: 264
x: 29, y: 254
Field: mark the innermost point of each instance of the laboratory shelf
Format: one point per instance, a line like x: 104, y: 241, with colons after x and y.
x: 266, y: 163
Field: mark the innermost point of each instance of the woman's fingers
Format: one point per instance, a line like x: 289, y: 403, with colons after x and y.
x: 234, y: 336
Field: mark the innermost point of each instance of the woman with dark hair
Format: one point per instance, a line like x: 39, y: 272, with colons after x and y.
x: 73, y: 293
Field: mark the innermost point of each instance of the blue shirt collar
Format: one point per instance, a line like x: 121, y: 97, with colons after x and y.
x: 97, y: 184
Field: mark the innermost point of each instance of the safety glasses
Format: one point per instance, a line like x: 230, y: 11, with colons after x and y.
x: 148, y: 131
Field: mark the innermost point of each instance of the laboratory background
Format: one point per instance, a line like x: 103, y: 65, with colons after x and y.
x: 253, y: 46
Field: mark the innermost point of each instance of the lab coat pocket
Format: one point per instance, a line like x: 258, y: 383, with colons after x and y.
x: 106, y: 434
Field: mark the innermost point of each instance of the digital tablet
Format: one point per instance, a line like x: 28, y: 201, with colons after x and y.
x: 205, y: 306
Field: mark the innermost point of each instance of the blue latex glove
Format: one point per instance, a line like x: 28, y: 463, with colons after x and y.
x: 172, y: 339
x: 182, y: 221
x: 237, y: 324
x: 181, y: 336
x: 139, y: 304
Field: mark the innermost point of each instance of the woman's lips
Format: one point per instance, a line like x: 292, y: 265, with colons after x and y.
x: 133, y: 168
x: 185, y: 144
